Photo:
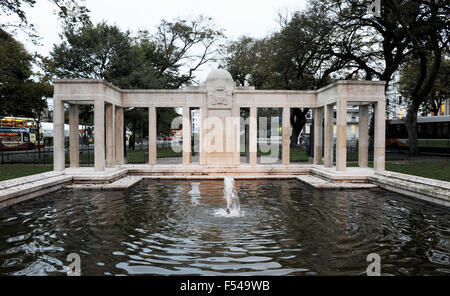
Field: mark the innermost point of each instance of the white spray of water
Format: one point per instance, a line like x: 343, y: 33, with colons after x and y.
x: 232, y: 199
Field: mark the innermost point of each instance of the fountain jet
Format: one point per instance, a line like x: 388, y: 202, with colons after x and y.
x: 230, y: 195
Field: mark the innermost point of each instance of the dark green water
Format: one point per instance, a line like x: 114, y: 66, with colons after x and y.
x: 171, y: 228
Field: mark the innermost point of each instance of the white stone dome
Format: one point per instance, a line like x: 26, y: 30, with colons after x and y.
x: 219, y: 74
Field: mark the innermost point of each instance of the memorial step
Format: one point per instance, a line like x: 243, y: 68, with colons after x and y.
x: 122, y: 183
x: 320, y: 183
x: 35, y: 187
x: 423, y: 188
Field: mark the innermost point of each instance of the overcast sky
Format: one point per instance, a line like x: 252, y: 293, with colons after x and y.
x: 255, y: 18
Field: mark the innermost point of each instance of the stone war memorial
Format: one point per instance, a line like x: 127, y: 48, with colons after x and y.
x: 219, y: 102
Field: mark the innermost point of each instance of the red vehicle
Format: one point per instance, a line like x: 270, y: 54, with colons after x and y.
x: 18, y: 134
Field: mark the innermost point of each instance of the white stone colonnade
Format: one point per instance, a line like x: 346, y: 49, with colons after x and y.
x: 219, y: 99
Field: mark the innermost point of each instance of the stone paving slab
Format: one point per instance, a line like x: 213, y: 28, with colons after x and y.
x: 90, y: 176
x: 193, y: 169
x: 350, y: 175
x: 324, y: 184
x: 436, y: 191
x: 123, y: 183
x: 28, y: 179
x: 30, y: 195
x: 31, y: 187
x: 418, y: 180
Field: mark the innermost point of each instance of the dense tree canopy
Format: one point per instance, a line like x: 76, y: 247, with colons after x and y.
x: 22, y: 92
x: 166, y: 59
x: 19, y: 94
x: 439, y: 92
x: 296, y: 57
x: 340, y: 40
x: 95, y: 51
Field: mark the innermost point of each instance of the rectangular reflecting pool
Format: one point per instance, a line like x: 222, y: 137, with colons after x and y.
x: 179, y: 228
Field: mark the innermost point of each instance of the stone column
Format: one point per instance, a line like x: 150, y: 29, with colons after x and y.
x: 363, y: 137
x: 328, y: 137
x: 318, y: 113
x: 119, y: 135
x: 58, y: 135
x: 110, y: 136
x: 152, y: 135
x: 253, y: 136
x: 341, y: 135
x: 201, y: 114
x: 379, y: 135
x: 99, y: 135
x: 236, y: 114
x: 286, y: 128
x: 187, y: 131
x: 74, y: 140
x: 247, y: 142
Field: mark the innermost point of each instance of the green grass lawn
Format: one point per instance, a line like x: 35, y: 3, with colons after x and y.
x: 427, y: 169
x: 296, y: 154
x: 11, y: 171
x: 141, y: 156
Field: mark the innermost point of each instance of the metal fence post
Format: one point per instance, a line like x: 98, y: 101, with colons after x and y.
x: 3, y: 162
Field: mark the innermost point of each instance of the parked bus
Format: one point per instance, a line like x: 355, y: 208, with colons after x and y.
x: 18, y: 133
x: 433, y: 134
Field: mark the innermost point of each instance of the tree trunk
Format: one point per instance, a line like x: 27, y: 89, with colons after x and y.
x: 294, y: 137
x: 411, y: 127
x: 298, y: 121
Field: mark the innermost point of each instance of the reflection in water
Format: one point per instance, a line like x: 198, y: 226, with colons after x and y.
x: 167, y: 227
x: 195, y: 194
